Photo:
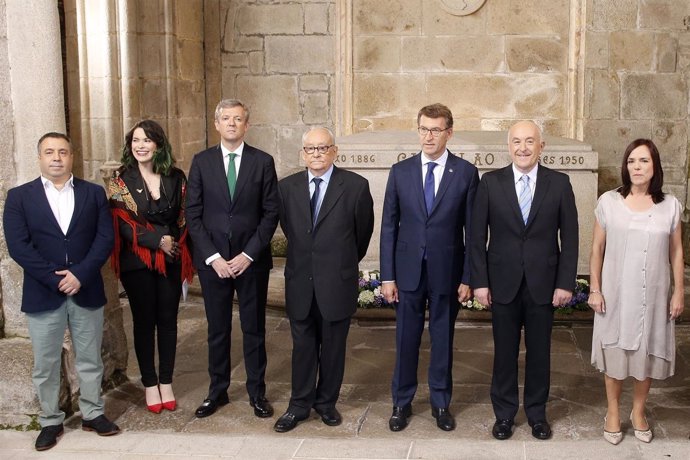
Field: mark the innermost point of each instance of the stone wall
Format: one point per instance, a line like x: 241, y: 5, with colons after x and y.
x: 280, y: 58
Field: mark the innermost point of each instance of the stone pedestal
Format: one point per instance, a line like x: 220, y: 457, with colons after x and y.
x: 372, y: 155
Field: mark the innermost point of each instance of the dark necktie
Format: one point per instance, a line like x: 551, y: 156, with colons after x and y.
x: 429, y: 186
x: 315, y: 198
x: 232, y: 174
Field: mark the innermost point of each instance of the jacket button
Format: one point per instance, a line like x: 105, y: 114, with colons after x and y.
x: 309, y: 230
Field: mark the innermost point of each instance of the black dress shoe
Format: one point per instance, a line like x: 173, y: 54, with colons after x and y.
x: 262, y: 408
x: 287, y: 422
x: 210, y: 406
x: 101, y: 425
x: 398, y: 420
x: 444, y: 419
x: 503, y: 429
x: 48, y: 436
x: 541, y: 430
x: 330, y: 416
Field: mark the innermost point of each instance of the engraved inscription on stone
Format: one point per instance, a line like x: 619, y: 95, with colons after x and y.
x: 461, y: 7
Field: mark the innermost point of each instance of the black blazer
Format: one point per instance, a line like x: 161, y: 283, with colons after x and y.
x: 36, y: 242
x: 229, y: 228
x: 164, y: 221
x: 516, y: 250
x: 325, y: 261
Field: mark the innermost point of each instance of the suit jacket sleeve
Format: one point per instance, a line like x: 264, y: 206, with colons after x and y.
x: 195, y: 208
x: 21, y: 247
x: 478, y: 237
x: 364, y: 219
x: 469, y: 209
x: 390, y: 221
x: 101, y: 246
x: 269, y: 215
x: 567, y: 263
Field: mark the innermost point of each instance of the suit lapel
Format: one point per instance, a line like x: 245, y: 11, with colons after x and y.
x: 416, y: 172
x: 42, y: 204
x: 301, y: 194
x: 539, y: 194
x: 333, y: 192
x: 508, y: 184
x: 79, y: 203
x: 219, y: 174
x: 247, y: 166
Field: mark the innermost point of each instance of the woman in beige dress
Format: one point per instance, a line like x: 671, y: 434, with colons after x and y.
x: 637, y: 243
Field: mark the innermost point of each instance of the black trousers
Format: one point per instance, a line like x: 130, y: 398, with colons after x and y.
x: 252, y: 289
x: 155, y: 301
x: 318, y: 361
x: 508, y: 320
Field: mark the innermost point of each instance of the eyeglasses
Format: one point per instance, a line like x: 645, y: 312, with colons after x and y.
x: 435, y: 132
x: 322, y: 149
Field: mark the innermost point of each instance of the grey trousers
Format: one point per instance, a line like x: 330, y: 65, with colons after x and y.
x: 47, y: 331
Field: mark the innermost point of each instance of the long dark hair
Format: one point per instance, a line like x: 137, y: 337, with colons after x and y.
x: 657, y: 181
x: 163, y: 160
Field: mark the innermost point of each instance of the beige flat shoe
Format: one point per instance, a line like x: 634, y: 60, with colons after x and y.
x: 613, y: 437
x: 642, y: 435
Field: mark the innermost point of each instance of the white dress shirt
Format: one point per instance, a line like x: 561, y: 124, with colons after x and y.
x: 438, y: 169
x: 326, y: 178
x: 61, y: 201
x: 517, y: 175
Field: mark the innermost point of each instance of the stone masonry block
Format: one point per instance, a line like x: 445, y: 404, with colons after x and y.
x: 262, y: 137
x: 532, y: 54
x: 273, y: 98
x: 377, y: 53
x: 684, y: 52
x: 314, y: 83
x: 289, y: 145
x: 436, y: 21
x: 613, y: 14
x: 244, y: 43
x: 270, y: 19
x: 654, y: 96
x: 150, y: 50
x: 256, y: 62
x: 190, y: 59
x: 459, y: 53
x: 18, y: 395
x: 316, y: 18
x: 189, y: 19
x: 154, y: 98
x: 545, y: 17
x: 401, y: 17
x: 190, y: 98
x: 664, y: 14
x: 150, y: 15
x: 235, y: 60
x: 539, y: 96
x: 374, y: 94
x: 671, y: 138
x: 602, y: 92
x: 666, y: 52
x: 315, y: 108
x: 623, y: 56
x: 302, y: 54
x: 380, y: 94
x: 611, y: 137
x: 12, y: 281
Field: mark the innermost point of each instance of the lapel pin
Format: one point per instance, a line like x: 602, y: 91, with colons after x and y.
x: 139, y: 190
x: 450, y: 170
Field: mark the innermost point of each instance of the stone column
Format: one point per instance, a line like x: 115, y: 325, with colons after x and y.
x: 36, y: 106
x: 32, y: 99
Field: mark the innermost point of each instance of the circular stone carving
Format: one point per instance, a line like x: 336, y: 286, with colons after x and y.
x: 462, y: 7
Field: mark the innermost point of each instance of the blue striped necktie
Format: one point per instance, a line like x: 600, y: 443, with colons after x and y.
x: 525, y: 199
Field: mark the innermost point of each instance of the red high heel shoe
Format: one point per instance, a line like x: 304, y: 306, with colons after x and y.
x: 169, y: 405
x: 155, y: 408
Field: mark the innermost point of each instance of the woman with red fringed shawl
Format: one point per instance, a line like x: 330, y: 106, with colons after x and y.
x: 151, y: 255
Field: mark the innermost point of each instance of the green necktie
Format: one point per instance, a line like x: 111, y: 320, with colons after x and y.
x: 232, y: 174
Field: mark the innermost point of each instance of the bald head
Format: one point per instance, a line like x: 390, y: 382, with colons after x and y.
x: 525, y: 145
